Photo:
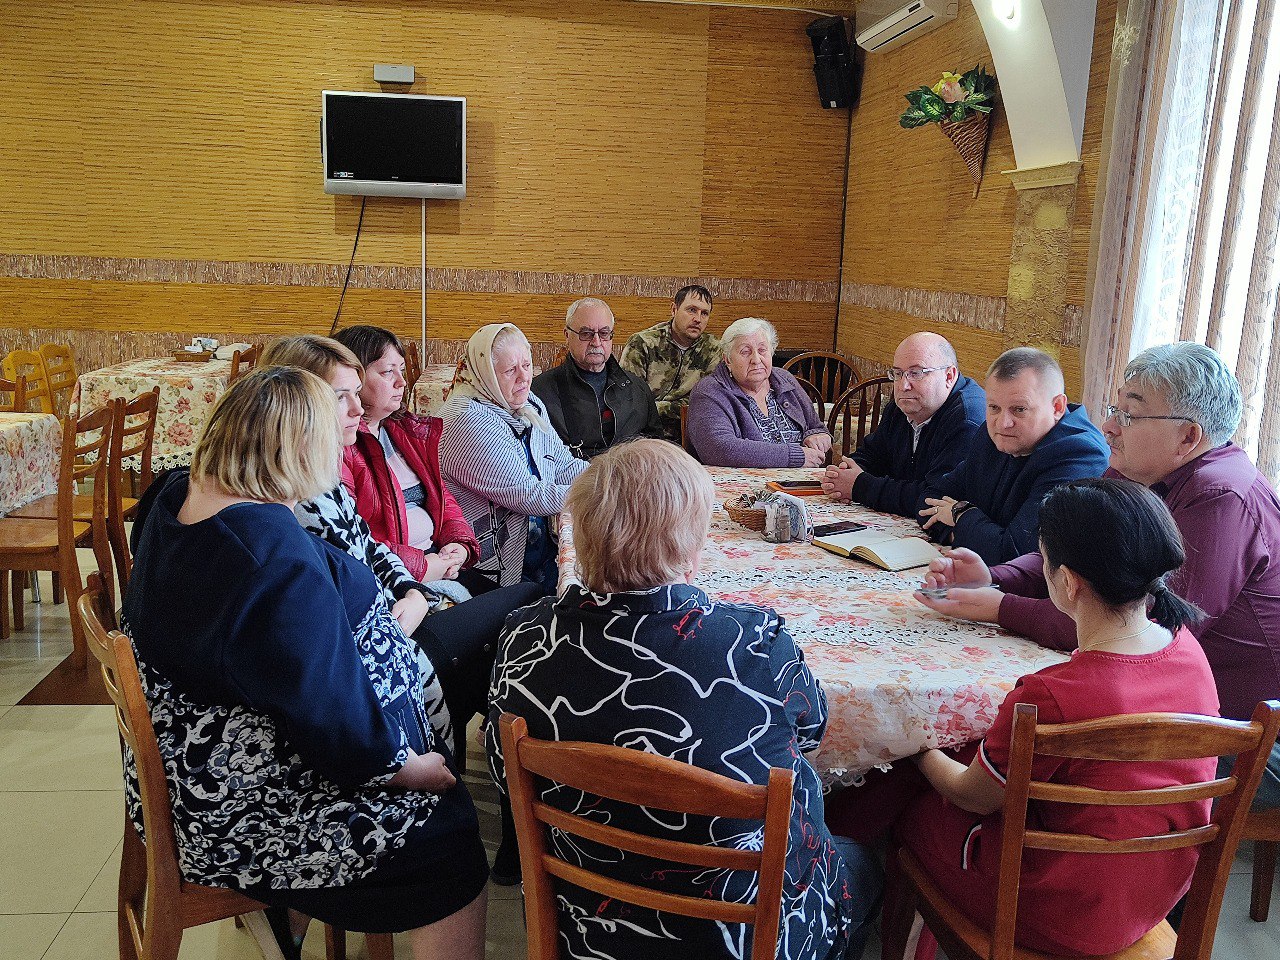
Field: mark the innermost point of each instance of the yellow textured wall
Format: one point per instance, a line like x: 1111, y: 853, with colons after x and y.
x: 920, y: 252
x: 162, y: 167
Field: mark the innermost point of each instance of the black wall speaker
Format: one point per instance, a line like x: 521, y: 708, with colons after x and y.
x: 833, y: 63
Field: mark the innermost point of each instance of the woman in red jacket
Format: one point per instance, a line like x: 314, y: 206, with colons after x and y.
x: 393, y: 471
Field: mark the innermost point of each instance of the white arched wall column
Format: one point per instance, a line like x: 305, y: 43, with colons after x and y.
x: 1041, y: 52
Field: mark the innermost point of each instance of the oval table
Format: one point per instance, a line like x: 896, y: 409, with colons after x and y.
x: 898, y: 677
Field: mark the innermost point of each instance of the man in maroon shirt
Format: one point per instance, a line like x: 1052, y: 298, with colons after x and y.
x: 1170, y: 429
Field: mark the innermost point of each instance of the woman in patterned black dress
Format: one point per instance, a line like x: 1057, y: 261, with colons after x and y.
x: 639, y: 657
x: 287, y: 702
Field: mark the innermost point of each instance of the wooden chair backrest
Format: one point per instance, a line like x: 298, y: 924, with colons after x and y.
x: 819, y: 404
x: 242, y: 361
x: 135, y: 436
x: 16, y: 392
x: 114, y: 652
x: 1136, y: 738
x: 412, y: 369
x: 60, y: 372
x: 684, y: 430
x: 29, y: 365
x: 86, y: 445
x: 857, y: 412
x: 830, y: 373
x: 642, y: 779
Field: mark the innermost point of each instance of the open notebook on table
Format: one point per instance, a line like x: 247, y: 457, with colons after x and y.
x: 882, y: 549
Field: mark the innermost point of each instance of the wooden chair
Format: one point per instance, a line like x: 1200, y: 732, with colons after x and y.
x: 242, y: 361
x: 1263, y: 828
x: 412, y: 373
x: 857, y: 412
x: 28, y: 365
x: 60, y: 373
x: 155, y: 905
x: 829, y: 374
x: 1139, y: 737
x: 634, y: 777
x: 13, y: 395
x: 684, y: 431
x: 49, y: 543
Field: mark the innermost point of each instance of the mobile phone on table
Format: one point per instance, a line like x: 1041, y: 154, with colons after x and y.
x: 840, y: 526
x: 799, y: 488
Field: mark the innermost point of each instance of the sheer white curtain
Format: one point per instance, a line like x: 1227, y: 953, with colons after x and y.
x: 1190, y: 223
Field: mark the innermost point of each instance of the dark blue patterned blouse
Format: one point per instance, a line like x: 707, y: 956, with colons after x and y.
x: 718, y: 685
x: 775, y: 426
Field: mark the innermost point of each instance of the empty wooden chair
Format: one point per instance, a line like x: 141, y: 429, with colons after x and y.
x: 856, y: 413
x: 49, y: 543
x: 155, y: 904
x: 60, y: 373
x: 830, y: 374
x: 1263, y: 828
x: 635, y: 777
x: 13, y: 395
x: 242, y: 361
x: 28, y: 365
x: 1139, y: 737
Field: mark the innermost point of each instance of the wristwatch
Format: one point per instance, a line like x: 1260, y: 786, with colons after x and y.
x: 957, y: 508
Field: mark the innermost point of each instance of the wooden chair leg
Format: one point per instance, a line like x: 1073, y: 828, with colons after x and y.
x: 898, y: 911
x: 1264, y: 875
x: 335, y: 943
x: 132, y: 888
x: 379, y: 946
x: 73, y: 587
x: 57, y: 588
x: 4, y: 606
x: 18, y: 580
x: 119, y: 553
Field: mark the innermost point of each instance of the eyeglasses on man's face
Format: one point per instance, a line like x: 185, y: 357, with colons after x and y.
x: 586, y: 336
x: 1126, y: 419
x: 911, y: 374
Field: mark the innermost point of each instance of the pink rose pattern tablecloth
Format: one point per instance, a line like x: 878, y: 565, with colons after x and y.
x: 188, y: 392
x: 429, y: 391
x: 30, y: 451
x: 898, y: 677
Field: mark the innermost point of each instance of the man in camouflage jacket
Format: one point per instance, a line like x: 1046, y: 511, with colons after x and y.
x: 672, y: 356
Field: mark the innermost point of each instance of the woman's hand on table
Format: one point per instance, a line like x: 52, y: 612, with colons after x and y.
x: 818, y: 441
x: 838, y: 480
x: 423, y: 771
x: 974, y: 603
x: 958, y: 566
x: 812, y: 456
x: 410, y: 610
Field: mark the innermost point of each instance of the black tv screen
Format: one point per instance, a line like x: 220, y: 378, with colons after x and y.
x: 395, y: 145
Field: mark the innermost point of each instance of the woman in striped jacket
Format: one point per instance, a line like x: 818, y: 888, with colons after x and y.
x: 501, y: 460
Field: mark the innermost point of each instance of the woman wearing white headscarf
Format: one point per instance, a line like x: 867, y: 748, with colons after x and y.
x: 501, y: 460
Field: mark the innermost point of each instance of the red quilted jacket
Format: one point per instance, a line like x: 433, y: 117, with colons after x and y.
x: 378, y: 497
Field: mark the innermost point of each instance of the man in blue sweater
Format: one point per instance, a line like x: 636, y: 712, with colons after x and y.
x: 923, y: 435
x: 1034, y: 441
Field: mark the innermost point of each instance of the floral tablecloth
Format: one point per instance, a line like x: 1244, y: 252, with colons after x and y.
x: 30, y: 453
x: 429, y: 391
x: 188, y: 392
x: 898, y: 677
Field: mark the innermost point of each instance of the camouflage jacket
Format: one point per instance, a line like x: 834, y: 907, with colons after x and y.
x: 670, y: 372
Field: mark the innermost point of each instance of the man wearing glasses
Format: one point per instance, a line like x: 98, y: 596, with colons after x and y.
x: 1034, y: 441
x: 591, y: 401
x: 922, y: 436
x: 672, y: 356
x: 1170, y: 429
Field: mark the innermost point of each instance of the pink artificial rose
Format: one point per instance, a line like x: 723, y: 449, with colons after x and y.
x: 951, y: 92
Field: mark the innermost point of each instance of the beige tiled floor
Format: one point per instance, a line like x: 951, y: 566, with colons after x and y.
x: 61, y: 809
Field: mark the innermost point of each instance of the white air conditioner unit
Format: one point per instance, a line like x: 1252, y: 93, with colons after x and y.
x: 902, y: 26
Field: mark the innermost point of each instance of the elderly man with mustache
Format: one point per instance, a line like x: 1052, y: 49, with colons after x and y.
x: 591, y: 401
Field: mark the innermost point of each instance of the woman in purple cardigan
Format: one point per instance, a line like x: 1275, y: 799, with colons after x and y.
x: 744, y: 413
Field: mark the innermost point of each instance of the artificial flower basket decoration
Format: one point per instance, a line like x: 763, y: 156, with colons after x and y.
x: 961, y: 105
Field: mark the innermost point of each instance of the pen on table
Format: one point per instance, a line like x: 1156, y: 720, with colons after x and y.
x: 941, y: 592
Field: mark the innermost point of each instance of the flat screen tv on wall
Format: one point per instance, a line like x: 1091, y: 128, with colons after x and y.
x: 394, y: 145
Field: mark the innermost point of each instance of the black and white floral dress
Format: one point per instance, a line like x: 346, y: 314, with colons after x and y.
x: 284, y: 697
x: 721, y: 686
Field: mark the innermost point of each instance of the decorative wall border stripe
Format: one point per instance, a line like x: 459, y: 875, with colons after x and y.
x: 943, y: 306
x: 383, y: 277
x: 966, y: 309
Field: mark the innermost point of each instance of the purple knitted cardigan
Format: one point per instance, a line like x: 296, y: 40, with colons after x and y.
x: 724, y: 433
